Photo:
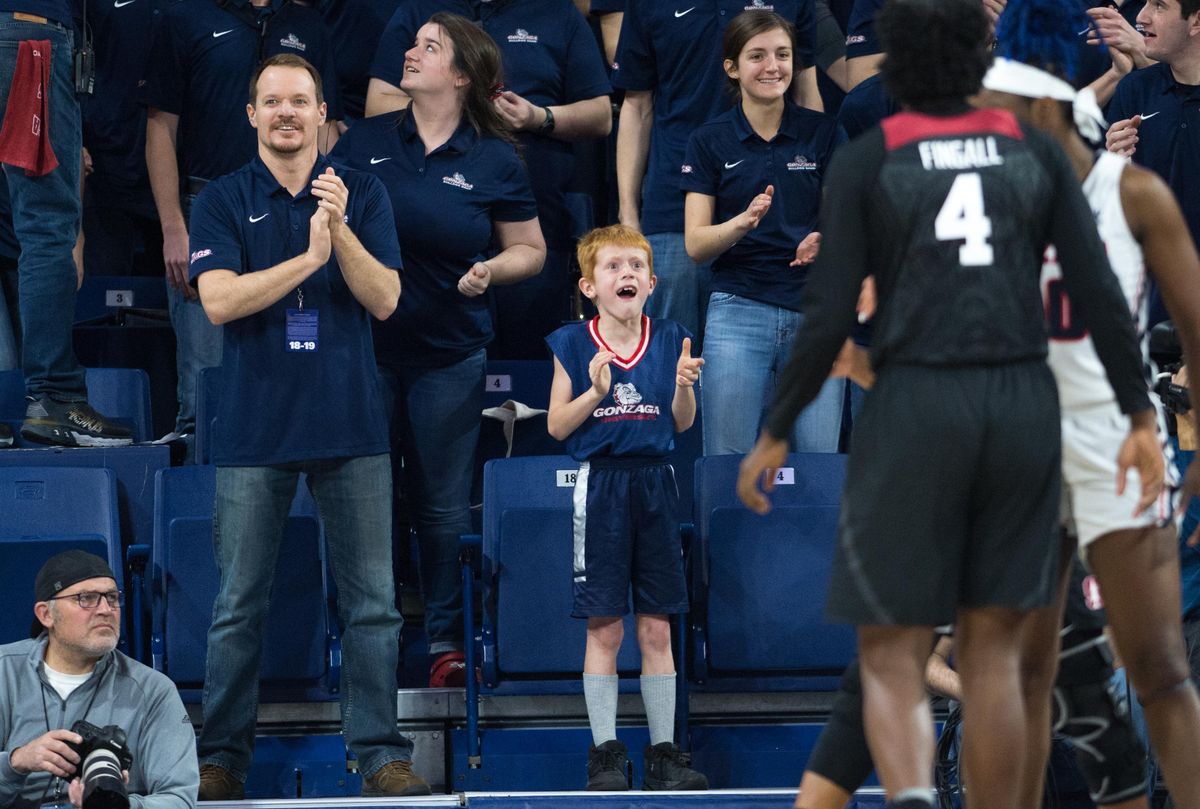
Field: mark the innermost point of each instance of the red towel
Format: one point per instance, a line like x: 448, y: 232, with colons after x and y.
x: 25, y: 136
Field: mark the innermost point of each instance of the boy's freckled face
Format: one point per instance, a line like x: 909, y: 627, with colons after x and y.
x: 622, y: 281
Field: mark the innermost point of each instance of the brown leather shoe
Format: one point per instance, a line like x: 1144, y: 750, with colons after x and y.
x: 219, y: 784
x: 395, y: 778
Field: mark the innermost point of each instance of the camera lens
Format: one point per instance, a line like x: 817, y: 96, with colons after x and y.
x: 103, y: 786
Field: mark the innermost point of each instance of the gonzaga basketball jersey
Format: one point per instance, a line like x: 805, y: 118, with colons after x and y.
x: 1073, y: 359
x: 634, y: 418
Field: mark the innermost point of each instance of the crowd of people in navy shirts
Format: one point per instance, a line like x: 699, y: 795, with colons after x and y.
x: 623, y: 111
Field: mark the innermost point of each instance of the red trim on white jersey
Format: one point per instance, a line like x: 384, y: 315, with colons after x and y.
x: 621, y: 362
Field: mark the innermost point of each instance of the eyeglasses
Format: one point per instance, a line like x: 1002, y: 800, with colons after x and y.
x: 91, y: 600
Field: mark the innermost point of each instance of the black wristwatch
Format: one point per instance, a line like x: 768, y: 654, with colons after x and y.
x: 547, y: 125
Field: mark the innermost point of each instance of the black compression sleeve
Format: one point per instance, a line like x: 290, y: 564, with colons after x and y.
x: 831, y: 292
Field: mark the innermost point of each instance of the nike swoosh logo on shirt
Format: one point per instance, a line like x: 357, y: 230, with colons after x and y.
x: 731, y: 165
x: 1151, y: 115
x: 254, y: 219
x: 681, y: 13
x: 118, y: 3
x: 375, y: 160
x: 220, y: 33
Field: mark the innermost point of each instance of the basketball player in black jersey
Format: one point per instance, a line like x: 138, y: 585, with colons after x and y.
x: 951, y: 504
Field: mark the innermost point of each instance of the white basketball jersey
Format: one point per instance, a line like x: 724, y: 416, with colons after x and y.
x: 1073, y: 359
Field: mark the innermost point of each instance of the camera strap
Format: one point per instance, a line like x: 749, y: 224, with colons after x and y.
x: 54, y: 779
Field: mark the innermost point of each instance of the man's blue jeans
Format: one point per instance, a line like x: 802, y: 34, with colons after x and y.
x: 354, y: 497
x: 746, y: 347
x: 436, y: 422
x: 46, y: 214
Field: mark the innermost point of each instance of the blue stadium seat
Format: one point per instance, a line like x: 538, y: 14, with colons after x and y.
x: 43, y: 511
x: 123, y: 393
x: 525, y: 381
x: 103, y: 295
x: 759, y: 583
x: 119, y: 393
x: 299, y: 635
x: 528, y: 631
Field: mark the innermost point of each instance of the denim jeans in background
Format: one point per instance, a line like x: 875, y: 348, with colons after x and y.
x: 354, y: 497
x: 436, y: 419
x: 46, y: 214
x: 10, y: 357
x: 198, y: 345
x: 746, y: 348
x: 681, y: 291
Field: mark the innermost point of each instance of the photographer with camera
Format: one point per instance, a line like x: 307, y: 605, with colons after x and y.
x: 79, y: 721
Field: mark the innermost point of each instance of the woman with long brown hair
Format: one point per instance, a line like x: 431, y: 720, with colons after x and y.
x: 466, y: 219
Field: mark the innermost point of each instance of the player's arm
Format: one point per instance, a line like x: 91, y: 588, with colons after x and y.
x: 633, y: 149
x: 567, y: 413
x: 940, y: 677
x: 832, y: 290
x: 1095, y: 294
x: 1157, y: 223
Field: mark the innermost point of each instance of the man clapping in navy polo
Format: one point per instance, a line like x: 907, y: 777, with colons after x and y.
x: 294, y: 257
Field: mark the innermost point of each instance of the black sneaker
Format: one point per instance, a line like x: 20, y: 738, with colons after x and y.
x: 70, y: 424
x: 6, y: 436
x: 668, y: 767
x: 608, y: 767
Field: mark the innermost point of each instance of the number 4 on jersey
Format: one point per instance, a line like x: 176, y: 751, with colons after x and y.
x: 962, y: 218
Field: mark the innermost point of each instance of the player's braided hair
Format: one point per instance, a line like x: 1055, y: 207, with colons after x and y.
x: 935, y: 51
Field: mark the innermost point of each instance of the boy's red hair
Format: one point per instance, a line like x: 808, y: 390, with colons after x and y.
x: 613, y: 235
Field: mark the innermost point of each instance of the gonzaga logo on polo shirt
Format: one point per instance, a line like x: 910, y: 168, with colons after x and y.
x: 459, y: 181
x: 199, y: 254
x: 292, y: 41
x: 801, y: 163
x: 523, y: 36
x: 759, y: 5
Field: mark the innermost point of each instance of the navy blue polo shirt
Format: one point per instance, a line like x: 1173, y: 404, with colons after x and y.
x: 200, y: 65
x: 445, y: 203
x: 280, y: 405
x: 114, y: 122
x: 727, y: 160
x: 674, y: 49
x: 865, y: 106
x: 550, y: 57
x: 860, y: 31
x: 356, y: 27
x: 607, y: 6
x: 1168, y: 143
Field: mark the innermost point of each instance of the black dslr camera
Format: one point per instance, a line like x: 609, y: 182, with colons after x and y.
x: 1167, y: 353
x: 102, y: 757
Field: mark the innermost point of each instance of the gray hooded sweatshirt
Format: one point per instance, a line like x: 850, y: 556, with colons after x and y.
x: 142, y: 701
